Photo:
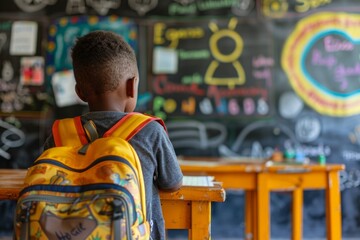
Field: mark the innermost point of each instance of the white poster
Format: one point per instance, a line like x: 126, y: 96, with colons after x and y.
x: 23, y: 38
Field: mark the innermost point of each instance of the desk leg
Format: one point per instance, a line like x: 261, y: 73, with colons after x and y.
x: 297, y: 214
x: 263, y: 207
x: 333, y: 207
x: 250, y: 215
x: 201, y: 220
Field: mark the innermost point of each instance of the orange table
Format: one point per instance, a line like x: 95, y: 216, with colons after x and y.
x: 259, y: 179
x: 188, y: 208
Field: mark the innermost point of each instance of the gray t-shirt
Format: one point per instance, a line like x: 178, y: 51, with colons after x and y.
x: 158, y: 161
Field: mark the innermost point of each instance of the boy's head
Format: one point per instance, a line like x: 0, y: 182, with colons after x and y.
x: 106, y: 72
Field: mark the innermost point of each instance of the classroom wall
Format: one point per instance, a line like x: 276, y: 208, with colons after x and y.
x: 229, y: 77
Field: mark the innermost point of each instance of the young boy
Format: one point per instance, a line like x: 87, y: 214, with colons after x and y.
x: 107, y: 78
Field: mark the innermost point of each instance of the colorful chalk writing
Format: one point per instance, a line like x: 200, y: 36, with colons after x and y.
x: 306, y: 5
x: 214, y: 76
x: 173, y: 35
x: 284, y: 8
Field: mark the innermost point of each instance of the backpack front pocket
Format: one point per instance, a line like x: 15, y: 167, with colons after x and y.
x: 91, y: 214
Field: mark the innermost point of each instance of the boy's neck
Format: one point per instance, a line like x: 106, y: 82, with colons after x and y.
x: 106, y: 107
x: 106, y: 103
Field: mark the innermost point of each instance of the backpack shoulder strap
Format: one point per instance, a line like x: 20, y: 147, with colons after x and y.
x: 131, y: 124
x: 69, y: 131
x: 126, y: 128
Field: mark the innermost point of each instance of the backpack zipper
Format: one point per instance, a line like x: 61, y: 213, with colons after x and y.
x: 118, y: 217
x: 77, y: 189
x: 97, y: 161
x: 118, y: 214
x: 24, y: 218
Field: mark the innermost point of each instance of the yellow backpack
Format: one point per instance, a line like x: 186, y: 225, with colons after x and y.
x: 86, y: 187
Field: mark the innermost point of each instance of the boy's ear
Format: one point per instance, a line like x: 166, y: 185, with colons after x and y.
x: 79, y: 93
x: 130, y: 87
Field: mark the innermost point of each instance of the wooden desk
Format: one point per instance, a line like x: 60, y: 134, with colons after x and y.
x: 258, y: 180
x: 188, y: 208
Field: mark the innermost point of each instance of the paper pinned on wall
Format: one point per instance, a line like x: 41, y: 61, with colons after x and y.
x: 165, y: 60
x: 63, y: 84
x: 23, y: 38
x: 32, y: 71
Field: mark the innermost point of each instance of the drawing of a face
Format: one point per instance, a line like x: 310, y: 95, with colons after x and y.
x: 275, y: 8
x: 223, y: 58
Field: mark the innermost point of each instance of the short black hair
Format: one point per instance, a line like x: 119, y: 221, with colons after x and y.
x: 101, y: 60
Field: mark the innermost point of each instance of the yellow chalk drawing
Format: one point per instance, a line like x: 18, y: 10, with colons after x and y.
x: 232, y: 57
x: 188, y: 106
x: 275, y: 8
x: 307, y: 5
x: 170, y: 105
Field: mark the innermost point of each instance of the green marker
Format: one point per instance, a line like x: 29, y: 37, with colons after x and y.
x: 322, y: 159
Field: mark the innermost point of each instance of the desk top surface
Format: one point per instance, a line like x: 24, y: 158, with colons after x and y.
x: 12, y: 182
x: 204, y: 164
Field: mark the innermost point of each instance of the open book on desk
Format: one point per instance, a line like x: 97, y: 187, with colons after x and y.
x: 198, y: 181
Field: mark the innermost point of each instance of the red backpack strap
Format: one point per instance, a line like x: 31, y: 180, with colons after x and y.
x: 69, y: 132
x: 131, y: 124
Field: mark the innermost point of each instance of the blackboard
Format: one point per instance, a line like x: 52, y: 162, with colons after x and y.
x: 22, y: 66
x: 308, y: 101
x: 329, y: 120
x: 24, y: 111
x: 313, y: 67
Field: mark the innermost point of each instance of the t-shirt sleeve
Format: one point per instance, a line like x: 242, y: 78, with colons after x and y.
x: 169, y: 174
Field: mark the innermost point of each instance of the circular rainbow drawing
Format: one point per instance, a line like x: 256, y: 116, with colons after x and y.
x: 332, y: 86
